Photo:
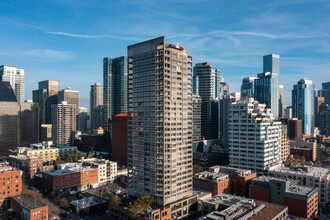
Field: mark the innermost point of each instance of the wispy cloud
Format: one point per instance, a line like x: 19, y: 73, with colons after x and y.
x: 48, y: 53
x: 89, y: 36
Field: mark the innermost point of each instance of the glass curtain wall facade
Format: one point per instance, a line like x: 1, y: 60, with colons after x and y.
x: 114, y: 88
x: 303, y: 95
x: 209, y: 89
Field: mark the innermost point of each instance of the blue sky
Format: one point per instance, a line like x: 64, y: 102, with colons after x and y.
x: 66, y: 40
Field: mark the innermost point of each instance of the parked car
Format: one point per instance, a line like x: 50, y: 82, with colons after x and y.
x: 72, y: 192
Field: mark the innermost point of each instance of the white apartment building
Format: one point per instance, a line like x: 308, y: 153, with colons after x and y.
x: 254, y: 136
x: 15, y: 77
x: 107, y: 170
x: 307, y: 176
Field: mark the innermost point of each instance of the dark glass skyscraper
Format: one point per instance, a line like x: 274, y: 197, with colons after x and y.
x: 247, y: 87
x: 207, y: 80
x: 303, y: 95
x: 114, y: 88
x: 266, y: 87
x: 326, y: 92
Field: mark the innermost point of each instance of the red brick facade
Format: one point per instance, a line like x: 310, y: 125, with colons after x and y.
x: 10, y: 184
x: 54, y: 183
x: 29, y: 165
x: 240, y: 185
x: 215, y: 187
x: 119, y: 138
x: 259, y: 193
x: 40, y: 213
x: 306, y: 209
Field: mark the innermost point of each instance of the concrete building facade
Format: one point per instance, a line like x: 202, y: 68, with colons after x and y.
x: 254, y: 136
x: 15, y: 77
x: 64, y: 117
x: 160, y: 132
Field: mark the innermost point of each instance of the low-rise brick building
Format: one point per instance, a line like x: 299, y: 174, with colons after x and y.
x: 302, y: 201
x: 219, y: 179
x: 30, y: 165
x: 28, y: 208
x: 215, y: 182
x: 304, y: 149
x: 70, y: 175
x: 10, y: 183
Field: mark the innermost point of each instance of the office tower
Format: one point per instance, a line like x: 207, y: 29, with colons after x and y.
x: 288, y: 112
x: 71, y: 97
x: 160, y: 131
x: 63, y: 123
x: 303, y: 104
x: 294, y: 128
x: 209, y: 79
x: 254, y: 136
x: 40, y: 96
x: 224, y: 90
x: 324, y: 117
x: 197, y: 116
x: 114, y: 88
x: 119, y: 138
x: 317, y: 103
x: 46, y: 132
x: 96, y: 108
x: 15, y: 77
x: 51, y: 88
x: 326, y: 92
x: 266, y: 88
x: 281, y: 102
x: 247, y: 87
x: 83, y: 118
x: 19, y: 122
x: 224, y: 118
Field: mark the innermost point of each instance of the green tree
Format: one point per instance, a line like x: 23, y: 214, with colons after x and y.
x: 101, y: 157
x: 95, y: 154
x: 57, y: 162
x: 75, y: 159
x: 79, y: 156
x: 90, y: 155
x: 70, y: 160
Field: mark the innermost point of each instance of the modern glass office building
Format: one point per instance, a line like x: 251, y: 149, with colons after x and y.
x: 207, y: 82
x: 114, y: 88
x: 303, y: 95
x: 247, y: 87
x: 266, y: 87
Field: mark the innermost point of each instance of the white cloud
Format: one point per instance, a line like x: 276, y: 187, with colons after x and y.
x: 48, y: 53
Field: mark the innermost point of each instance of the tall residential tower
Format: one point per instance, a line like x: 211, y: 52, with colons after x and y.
x: 160, y: 132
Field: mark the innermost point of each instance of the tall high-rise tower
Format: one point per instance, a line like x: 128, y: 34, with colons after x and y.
x: 303, y: 95
x: 247, y: 87
x: 160, y: 132
x: 266, y: 87
x: 15, y: 77
x: 114, y: 88
x: 50, y: 87
x: 281, y: 102
x: 71, y: 97
x: 96, y: 108
x: 63, y: 123
x: 208, y: 79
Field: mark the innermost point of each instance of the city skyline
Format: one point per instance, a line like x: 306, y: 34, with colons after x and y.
x: 63, y: 47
